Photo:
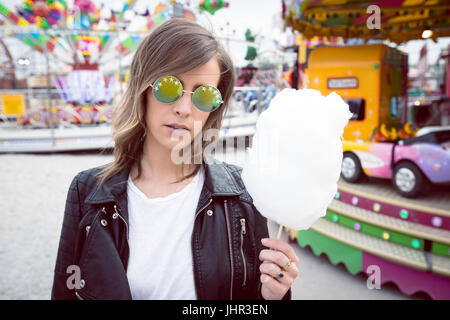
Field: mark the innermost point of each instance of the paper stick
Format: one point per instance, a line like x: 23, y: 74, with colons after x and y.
x: 280, y: 231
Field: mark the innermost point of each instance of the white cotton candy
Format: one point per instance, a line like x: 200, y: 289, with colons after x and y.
x: 293, y: 167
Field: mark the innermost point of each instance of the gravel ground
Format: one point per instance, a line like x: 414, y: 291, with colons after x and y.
x: 30, y: 229
x: 33, y: 193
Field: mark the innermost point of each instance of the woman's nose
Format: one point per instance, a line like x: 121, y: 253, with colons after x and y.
x: 183, y: 106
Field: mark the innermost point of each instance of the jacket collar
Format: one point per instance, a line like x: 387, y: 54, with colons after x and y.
x: 218, y: 182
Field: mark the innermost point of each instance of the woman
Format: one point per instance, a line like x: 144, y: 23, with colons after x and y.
x: 149, y: 226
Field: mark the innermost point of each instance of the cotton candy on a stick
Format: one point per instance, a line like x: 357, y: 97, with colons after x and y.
x: 293, y: 167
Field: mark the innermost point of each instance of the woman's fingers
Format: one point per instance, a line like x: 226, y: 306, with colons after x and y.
x: 272, y: 289
x: 276, y: 257
x: 274, y: 271
x: 280, y: 259
x: 282, y: 255
x: 279, y: 245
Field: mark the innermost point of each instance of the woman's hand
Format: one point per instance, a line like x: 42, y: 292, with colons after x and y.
x: 278, y: 268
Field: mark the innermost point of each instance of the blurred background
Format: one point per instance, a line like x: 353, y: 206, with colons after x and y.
x: 65, y: 64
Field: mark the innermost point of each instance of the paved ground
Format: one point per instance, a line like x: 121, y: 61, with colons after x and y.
x: 32, y: 198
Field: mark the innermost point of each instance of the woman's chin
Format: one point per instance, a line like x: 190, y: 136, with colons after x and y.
x: 177, y: 142
x: 180, y: 154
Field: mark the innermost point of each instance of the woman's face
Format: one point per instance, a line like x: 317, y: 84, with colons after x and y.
x: 182, y: 111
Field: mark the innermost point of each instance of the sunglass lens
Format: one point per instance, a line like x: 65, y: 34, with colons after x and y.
x: 167, y: 89
x: 207, y: 98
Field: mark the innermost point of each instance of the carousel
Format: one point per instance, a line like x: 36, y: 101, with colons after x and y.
x: 71, y: 108
x: 391, y: 212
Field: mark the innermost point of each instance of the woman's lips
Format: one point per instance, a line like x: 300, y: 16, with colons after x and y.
x: 176, y: 130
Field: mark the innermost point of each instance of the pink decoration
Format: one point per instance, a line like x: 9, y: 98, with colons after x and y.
x: 409, y: 280
x: 436, y: 221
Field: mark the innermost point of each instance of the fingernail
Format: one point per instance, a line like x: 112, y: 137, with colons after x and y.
x: 264, y: 240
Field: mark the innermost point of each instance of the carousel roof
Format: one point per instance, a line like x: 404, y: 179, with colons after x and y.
x: 394, y: 20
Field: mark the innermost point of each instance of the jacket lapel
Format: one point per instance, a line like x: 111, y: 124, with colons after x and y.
x: 218, y: 182
x: 112, y: 189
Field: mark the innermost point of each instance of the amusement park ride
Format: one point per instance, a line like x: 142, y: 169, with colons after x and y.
x: 372, y: 223
x: 76, y: 107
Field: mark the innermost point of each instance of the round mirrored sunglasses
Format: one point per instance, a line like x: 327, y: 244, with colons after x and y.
x: 168, y: 89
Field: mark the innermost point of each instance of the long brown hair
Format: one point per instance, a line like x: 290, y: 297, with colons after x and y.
x: 175, y: 46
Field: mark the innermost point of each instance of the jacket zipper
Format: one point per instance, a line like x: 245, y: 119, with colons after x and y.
x: 200, y: 210
x: 126, y: 224
x: 243, y: 232
x: 86, y: 296
x: 192, y: 235
x: 230, y: 247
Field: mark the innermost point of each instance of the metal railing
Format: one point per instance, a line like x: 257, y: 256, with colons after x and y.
x: 45, y: 107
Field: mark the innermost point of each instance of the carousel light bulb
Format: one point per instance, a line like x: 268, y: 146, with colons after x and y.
x: 427, y: 34
x: 404, y: 214
x: 23, y: 61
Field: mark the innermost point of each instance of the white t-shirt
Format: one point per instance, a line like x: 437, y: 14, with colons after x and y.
x: 160, y: 262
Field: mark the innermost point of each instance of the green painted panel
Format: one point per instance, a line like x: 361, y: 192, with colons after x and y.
x: 335, y: 250
x: 440, y: 248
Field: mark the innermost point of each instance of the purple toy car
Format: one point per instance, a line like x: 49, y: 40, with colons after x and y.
x: 412, y: 164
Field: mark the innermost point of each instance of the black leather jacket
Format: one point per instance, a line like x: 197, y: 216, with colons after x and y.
x: 225, y: 239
